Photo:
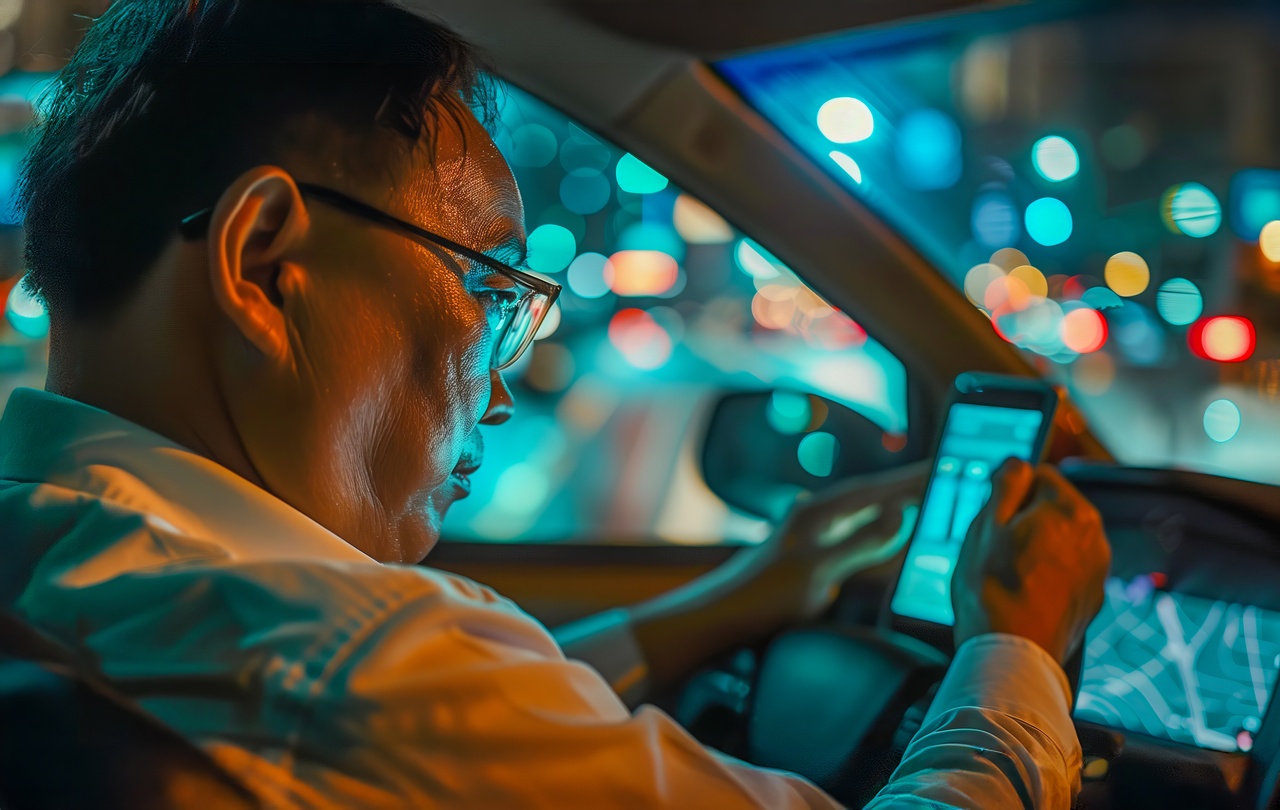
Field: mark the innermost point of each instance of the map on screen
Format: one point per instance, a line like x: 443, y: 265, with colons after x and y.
x: 1178, y: 667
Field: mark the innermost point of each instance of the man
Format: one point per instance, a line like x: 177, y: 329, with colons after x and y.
x: 274, y: 240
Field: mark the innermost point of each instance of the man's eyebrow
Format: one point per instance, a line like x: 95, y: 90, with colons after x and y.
x: 509, y: 248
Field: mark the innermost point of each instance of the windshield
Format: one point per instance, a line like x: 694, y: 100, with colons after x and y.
x: 1106, y: 196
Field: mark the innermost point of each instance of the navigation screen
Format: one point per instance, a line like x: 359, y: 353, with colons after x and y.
x: 977, y: 439
x: 1179, y: 667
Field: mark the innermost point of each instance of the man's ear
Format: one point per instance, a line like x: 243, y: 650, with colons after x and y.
x: 259, y: 220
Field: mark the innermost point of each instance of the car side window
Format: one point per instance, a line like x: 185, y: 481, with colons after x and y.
x: 666, y: 309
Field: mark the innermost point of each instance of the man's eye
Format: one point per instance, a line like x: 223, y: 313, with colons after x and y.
x: 498, y: 304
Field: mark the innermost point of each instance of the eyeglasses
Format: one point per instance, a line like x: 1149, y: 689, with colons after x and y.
x: 512, y: 322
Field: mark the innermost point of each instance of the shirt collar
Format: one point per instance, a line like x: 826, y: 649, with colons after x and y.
x: 49, y: 439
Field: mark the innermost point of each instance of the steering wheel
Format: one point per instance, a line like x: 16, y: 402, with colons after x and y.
x: 862, y: 692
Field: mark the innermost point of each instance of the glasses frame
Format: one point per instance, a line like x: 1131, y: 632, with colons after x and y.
x: 197, y: 225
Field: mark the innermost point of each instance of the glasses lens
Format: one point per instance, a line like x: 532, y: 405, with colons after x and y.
x: 517, y: 333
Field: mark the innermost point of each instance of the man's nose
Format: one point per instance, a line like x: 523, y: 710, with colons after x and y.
x: 501, y: 403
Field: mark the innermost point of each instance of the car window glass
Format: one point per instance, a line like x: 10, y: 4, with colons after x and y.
x: 1102, y: 187
x: 666, y: 307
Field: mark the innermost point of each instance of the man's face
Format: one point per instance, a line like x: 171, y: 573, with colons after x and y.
x: 374, y: 425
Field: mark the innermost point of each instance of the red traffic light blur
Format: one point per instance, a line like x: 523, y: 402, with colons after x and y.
x: 1226, y: 338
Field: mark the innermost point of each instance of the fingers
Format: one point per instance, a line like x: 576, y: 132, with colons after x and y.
x: 1010, y: 487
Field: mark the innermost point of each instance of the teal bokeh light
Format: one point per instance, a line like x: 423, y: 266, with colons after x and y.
x: 994, y: 220
x: 585, y: 194
x: 817, y: 453
x: 586, y: 276
x: 551, y: 248
x: 789, y: 412
x: 25, y: 313
x: 1194, y: 210
x: 1222, y: 420
x: 928, y: 150
x: 637, y: 177
x: 1055, y: 158
x: 1179, y: 301
x: 1048, y: 221
x: 652, y: 236
x: 533, y: 146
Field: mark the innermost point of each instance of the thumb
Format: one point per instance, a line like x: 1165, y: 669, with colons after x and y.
x: 1010, y: 487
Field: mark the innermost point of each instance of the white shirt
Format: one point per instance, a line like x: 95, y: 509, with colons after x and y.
x: 321, y: 678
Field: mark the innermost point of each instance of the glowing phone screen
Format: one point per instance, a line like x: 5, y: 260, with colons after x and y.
x: 977, y: 439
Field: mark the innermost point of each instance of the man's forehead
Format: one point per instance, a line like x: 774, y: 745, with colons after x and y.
x: 465, y: 191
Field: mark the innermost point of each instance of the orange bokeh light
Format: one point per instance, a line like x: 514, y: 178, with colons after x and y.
x: 1084, y: 330
x: 641, y: 272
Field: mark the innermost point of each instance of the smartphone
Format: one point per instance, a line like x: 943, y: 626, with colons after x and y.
x: 990, y: 419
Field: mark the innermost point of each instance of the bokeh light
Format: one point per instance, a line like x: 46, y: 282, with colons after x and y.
x: 774, y: 306
x: 1101, y: 298
x: 1084, y: 330
x: 1137, y: 333
x: 551, y: 368
x: 637, y: 177
x: 581, y: 155
x: 533, y: 146
x: 845, y: 120
x: 1009, y: 259
x: 1179, y: 301
x: 788, y: 412
x: 549, y: 324
x: 1269, y: 240
x: 25, y: 313
x: 550, y: 248
x: 757, y: 262
x: 994, y: 219
x: 1255, y: 201
x: 1192, y: 209
x: 586, y: 276
x: 1048, y: 221
x: 1127, y: 273
x: 847, y: 163
x: 1007, y: 292
x: 1032, y: 278
x: 928, y: 150
x: 1055, y: 158
x: 978, y: 279
x: 652, y: 236
x: 1226, y: 339
x: 817, y: 453
x: 1222, y: 420
x: 697, y: 224
x: 585, y: 194
x: 641, y: 273
x: 640, y: 339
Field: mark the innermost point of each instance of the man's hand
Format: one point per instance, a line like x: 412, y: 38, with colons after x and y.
x: 1034, y: 562
x: 827, y: 538
x: 789, y: 578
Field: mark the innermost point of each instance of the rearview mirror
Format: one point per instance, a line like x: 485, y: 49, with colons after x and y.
x: 763, y: 448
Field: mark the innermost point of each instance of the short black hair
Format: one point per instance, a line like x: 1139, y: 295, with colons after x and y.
x: 165, y: 102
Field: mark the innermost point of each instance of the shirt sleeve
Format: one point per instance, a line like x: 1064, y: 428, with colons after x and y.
x: 451, y: 703
x: 998, y: 734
